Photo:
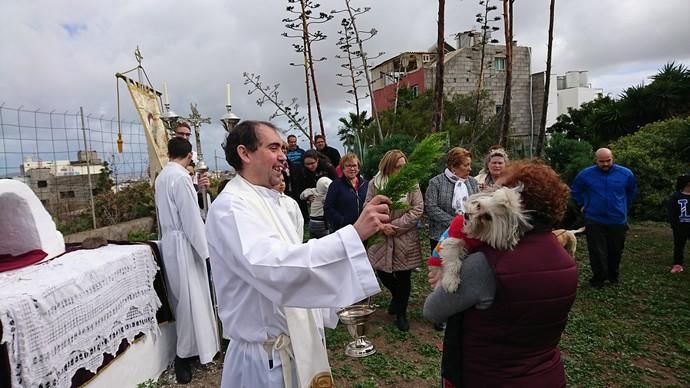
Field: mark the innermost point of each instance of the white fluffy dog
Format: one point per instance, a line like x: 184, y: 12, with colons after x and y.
x: 495, y: 218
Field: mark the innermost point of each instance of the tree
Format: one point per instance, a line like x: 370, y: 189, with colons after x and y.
x: 547, y: 83
x: 354, y: 76
x: 606, y: 119
x: 507, y: 94
x: 360, y: 37
x: 104, y: 182
x: 352, y: 132
x: 301, y: 23
x: 271, y: 94
x: 484, y: 19
x: 437, y: 117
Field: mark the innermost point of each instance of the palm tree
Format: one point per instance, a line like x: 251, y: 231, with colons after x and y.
x: 352, y: 132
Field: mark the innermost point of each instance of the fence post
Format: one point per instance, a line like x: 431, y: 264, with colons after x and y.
x: 88, y: 168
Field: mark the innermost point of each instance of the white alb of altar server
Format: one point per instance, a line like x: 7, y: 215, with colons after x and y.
x: 275, y: 294
x: 184, y: 251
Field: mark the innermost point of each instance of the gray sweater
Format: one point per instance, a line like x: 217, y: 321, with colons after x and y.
x: 477, y: 289
x: 438, y: 204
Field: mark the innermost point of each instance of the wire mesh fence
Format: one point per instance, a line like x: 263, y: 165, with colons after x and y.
x: 65, y: 161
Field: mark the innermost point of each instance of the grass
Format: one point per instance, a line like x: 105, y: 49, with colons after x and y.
x: 636, y: 334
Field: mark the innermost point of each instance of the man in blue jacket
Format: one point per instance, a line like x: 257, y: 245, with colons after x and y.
x: 604, y: 193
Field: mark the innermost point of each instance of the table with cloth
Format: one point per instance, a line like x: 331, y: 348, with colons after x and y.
x: 65, y: 314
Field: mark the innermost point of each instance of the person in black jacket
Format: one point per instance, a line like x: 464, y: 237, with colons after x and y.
x: 679, y: 218
x: 331, y: 153
x: 346, y: 194
x: 315, y: 166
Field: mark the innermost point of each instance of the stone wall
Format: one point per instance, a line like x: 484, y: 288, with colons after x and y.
x: 462, y: 72
x: 114, y: 232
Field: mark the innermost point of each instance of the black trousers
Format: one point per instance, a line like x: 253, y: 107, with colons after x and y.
x: 399, y: 284
x: 605, y: 245
x: 432, y: 245
x: 681, y: 234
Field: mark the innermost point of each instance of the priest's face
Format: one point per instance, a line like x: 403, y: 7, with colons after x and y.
x: 266, y: 163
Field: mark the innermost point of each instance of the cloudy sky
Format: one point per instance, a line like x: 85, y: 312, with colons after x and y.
x: 63, y: 54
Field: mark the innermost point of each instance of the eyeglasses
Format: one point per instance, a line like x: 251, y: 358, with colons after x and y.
x: 183, y: 134
x: 351, y: 166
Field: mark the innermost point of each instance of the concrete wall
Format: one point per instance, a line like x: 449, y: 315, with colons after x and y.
x: 114, y: 232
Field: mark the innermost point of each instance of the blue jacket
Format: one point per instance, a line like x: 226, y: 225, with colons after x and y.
x: 605, y: 196
x: 295, y: 157
x: 343, y: 205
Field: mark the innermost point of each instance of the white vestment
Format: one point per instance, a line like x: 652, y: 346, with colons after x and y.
x: 292, y: 208
x: 259, y: 272
x: 184, y: 250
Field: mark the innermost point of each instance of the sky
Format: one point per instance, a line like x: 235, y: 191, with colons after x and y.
x: 60, y: 55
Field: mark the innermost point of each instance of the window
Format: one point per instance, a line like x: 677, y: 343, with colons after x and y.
x: 426, y: 58
x: 500, y: 63
x: 67, y: 194
x: 499, y: 108
x: 415, y: 91
x: 42, y: 184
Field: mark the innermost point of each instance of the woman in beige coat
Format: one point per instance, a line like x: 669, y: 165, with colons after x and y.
x: 399, y: 252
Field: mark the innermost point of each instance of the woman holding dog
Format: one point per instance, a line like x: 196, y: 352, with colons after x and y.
x: 399, y: 252
x: 515, y: 303
x: 447, y: 192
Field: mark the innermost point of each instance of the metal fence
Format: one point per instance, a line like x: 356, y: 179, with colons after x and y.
x: 45, y: 150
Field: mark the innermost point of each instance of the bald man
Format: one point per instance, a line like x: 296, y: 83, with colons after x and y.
x: 604, y: 193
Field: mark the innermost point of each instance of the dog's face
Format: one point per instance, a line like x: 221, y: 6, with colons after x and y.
x: 496, y: 218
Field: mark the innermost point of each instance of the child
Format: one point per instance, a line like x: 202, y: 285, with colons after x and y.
x: 316, y: 196
x: 291, y: 206
x: 679, y: 217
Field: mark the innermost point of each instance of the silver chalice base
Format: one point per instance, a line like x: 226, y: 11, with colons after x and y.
x: 355, y: 318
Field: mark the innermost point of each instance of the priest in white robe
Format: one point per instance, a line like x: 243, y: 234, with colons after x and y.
x: 184, y: 249
x: 275, y: 293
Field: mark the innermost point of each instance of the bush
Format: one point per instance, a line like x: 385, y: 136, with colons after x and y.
x: 405, y: 143
x: 141, y: 235
x: 568, y: 156
x: 656, y: 154
x: 134, y: 201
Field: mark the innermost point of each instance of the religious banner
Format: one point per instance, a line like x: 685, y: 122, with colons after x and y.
x: 146, y: 103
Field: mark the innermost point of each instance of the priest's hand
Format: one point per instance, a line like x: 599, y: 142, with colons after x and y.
x: 373, y: 217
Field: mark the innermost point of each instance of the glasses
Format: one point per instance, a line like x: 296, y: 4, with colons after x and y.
x: 183, y: 134
x: 351, y: 166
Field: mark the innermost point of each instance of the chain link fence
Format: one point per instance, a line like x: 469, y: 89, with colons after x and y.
x: 65, y: 162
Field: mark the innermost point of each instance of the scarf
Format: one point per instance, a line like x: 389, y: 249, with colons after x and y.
x: 308, y: 348
x: 460, y: 192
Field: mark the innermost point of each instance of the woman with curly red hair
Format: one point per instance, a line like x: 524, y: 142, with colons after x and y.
x: 514, y: 303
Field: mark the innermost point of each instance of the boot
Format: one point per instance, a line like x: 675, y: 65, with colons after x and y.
x: 401, y: 322
x: 183, y: 370
x: 391, y: 307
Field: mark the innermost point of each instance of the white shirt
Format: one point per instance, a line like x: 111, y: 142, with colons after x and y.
x: 257, y: 273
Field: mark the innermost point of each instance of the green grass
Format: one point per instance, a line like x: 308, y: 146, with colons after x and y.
x: 636, y: 334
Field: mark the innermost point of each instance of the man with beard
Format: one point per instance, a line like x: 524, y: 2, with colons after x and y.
x: 604, y: 193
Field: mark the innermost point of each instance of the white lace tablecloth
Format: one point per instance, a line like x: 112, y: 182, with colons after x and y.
x: 62, y: 315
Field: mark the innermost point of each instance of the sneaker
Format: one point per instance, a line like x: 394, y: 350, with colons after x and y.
x: 677, y: 268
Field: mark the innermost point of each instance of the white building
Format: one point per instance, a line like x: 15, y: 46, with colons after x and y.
x: 66, y: 167
x: 569, y: 91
